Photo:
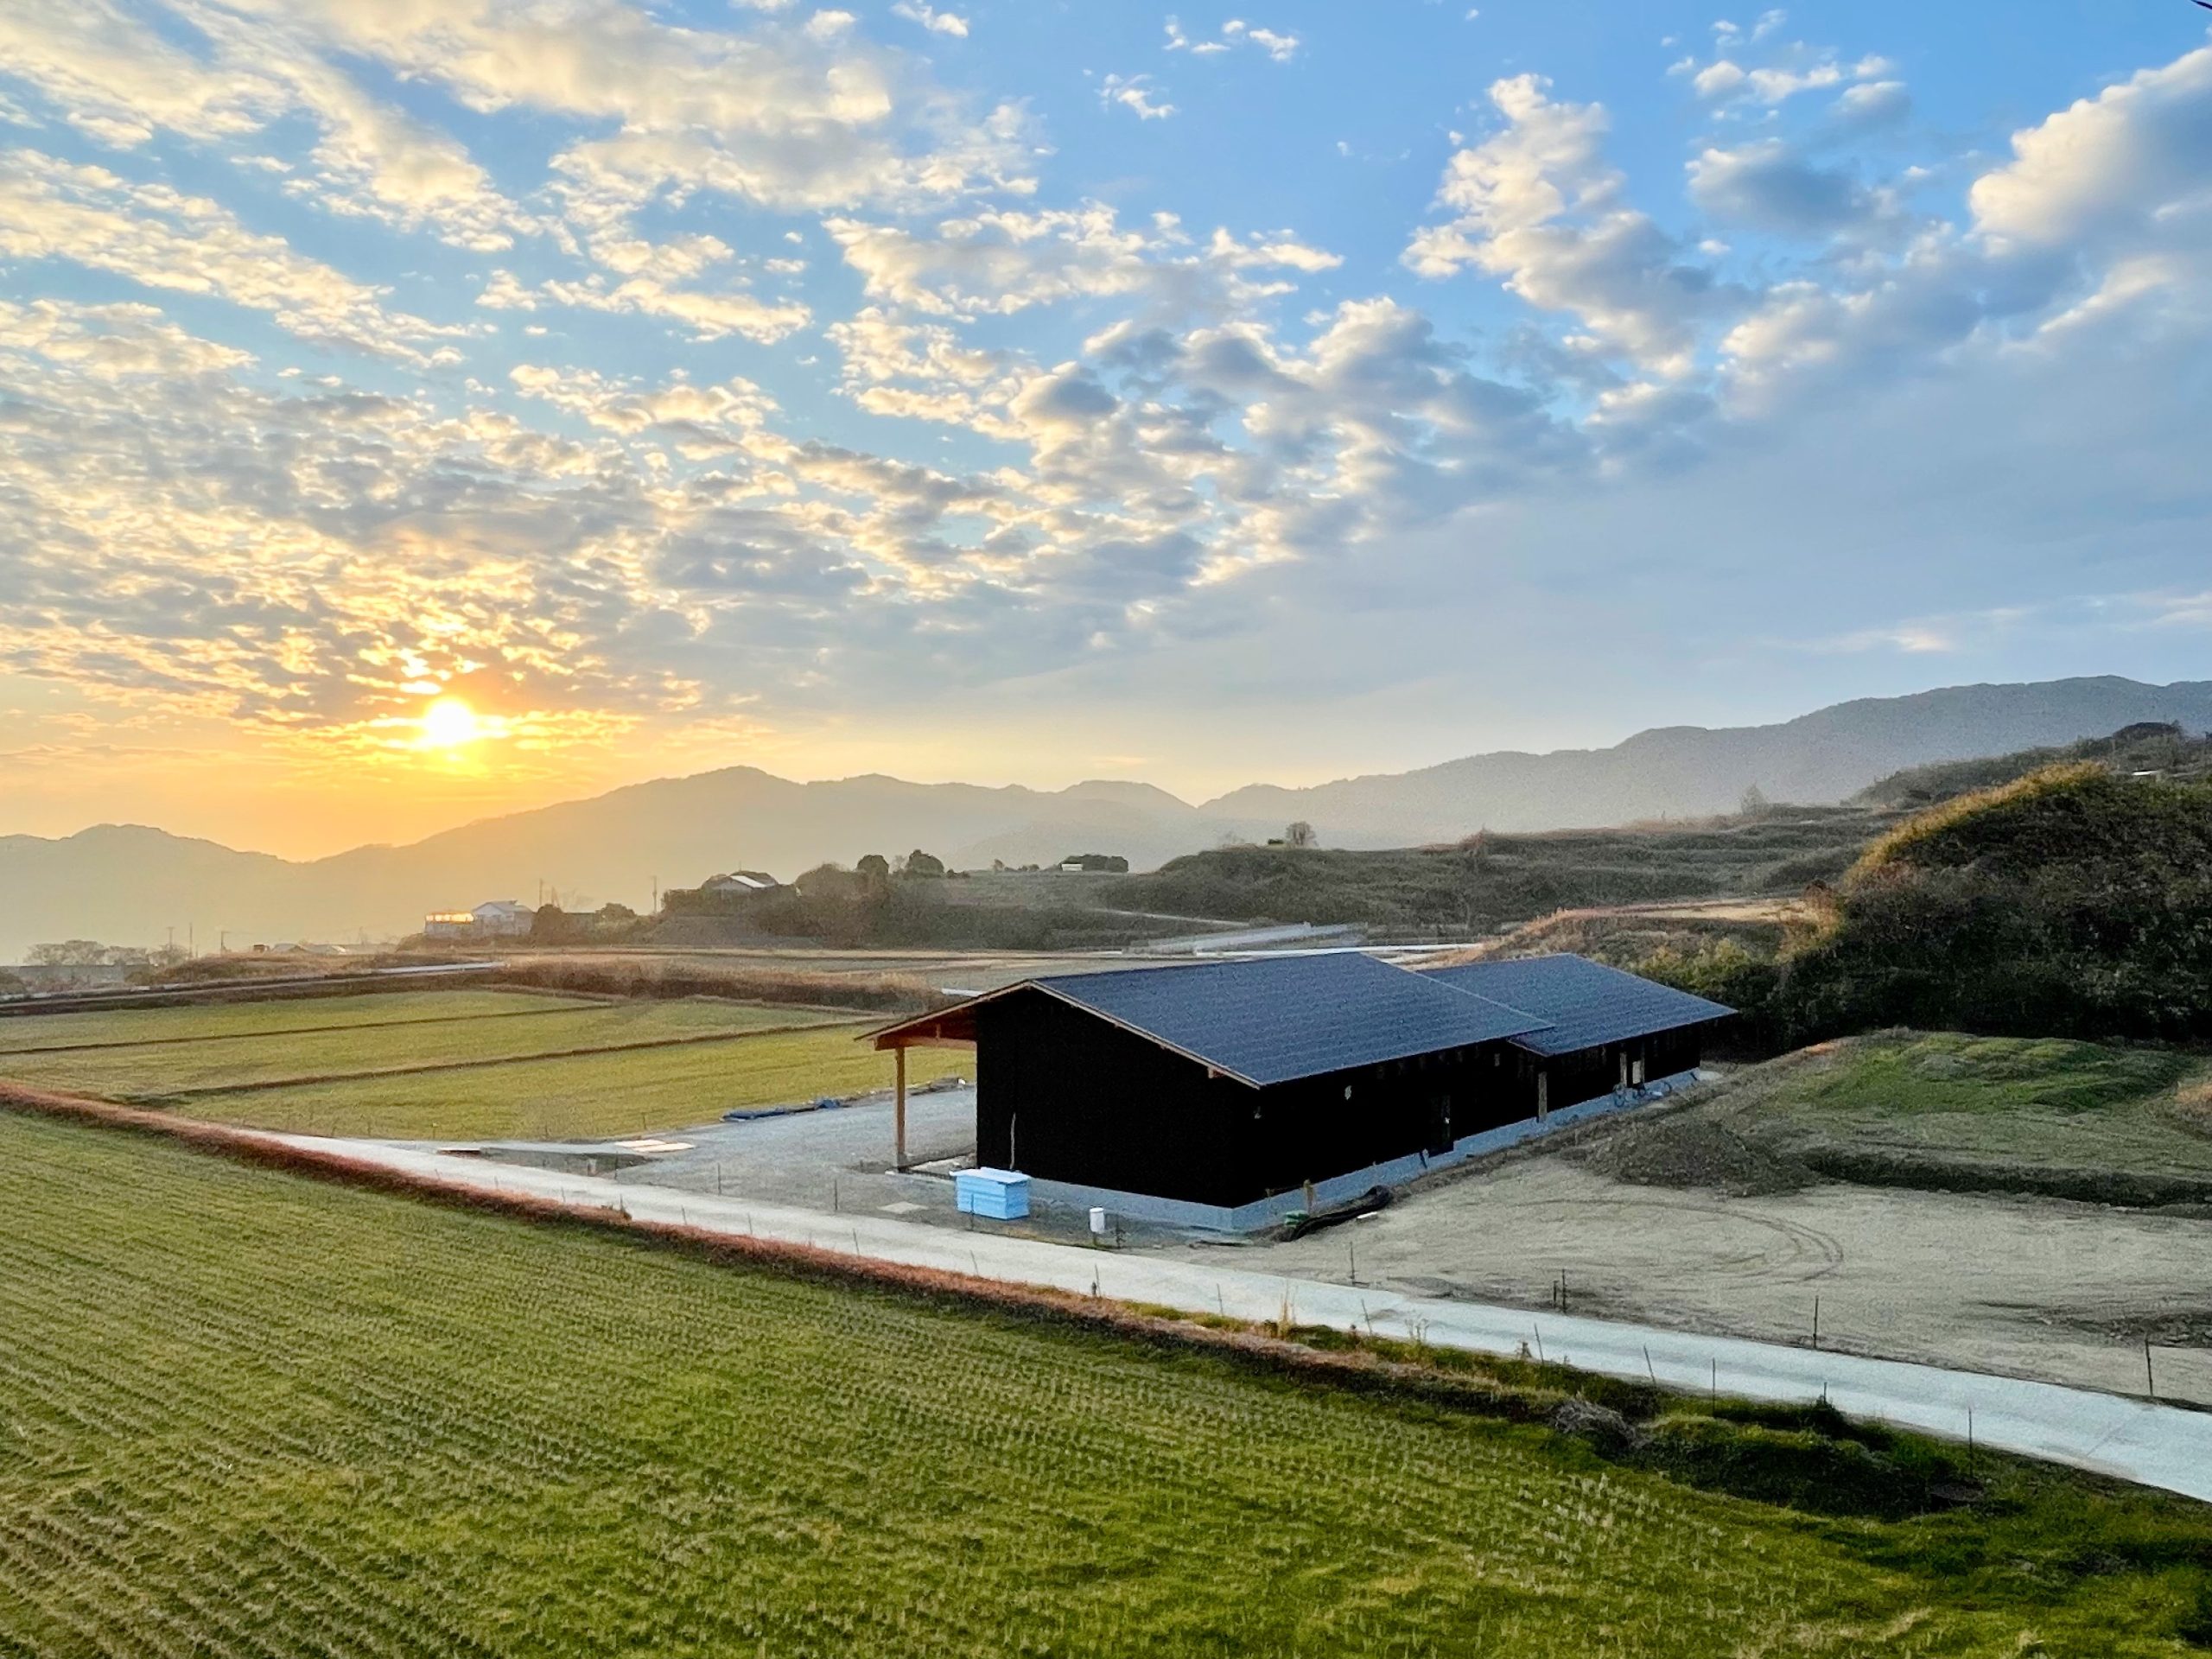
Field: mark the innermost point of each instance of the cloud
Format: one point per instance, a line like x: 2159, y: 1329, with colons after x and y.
x: 1069, y: 434
x: 2108, y: 167
x: 1133, y: 93
x: 1537, y: 205
x: 940, y: 23
x: 1281, y: 47
x: 161, y: 239
x: 121, y: 83
x: 1771, y: 185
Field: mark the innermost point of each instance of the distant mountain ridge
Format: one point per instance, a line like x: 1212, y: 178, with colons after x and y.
x: 128, y: 883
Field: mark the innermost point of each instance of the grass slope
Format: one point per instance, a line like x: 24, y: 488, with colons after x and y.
x: 1945, y: 1110
x: 297, y: 1418
x: 588, y: 1095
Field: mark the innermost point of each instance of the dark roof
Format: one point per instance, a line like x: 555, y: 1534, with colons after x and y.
x: 1584, y: 1004
x: 1277, y: 1019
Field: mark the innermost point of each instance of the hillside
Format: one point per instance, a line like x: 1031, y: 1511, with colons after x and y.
x: 1495, y: 880
x: 2075, y: 901
x: 128, y: 885
x: 2153, y: 748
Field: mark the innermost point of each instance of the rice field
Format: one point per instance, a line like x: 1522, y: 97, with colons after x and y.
x: 268, y: 1019
x: 243, y: 1413
x: 447, y: 1064
x: 618, y: 1093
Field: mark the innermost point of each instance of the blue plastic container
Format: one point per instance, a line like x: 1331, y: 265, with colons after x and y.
x: 995, y: 1194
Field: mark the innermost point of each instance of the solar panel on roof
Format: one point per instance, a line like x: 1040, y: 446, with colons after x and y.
x: 1276, y: 1019
x: 1584, y: 1004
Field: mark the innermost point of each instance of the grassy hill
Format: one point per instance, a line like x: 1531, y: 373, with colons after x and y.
x: 2073, y: 901
x: 300, y: 1418
x: 1493, y: 881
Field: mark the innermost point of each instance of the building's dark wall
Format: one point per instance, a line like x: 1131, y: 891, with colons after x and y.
x: 1590, y: 1072
x: 1065, y: 1095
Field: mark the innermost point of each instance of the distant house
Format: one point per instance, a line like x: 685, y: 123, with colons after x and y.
x: 1094, y: 864
x: 499, y: 919
x: 740, y: 883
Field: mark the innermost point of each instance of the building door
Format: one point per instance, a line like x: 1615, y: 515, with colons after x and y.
x: 1439, y: 1124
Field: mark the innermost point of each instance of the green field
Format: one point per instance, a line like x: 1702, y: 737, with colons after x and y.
x: 590, y: 1096
x: 137, y: 1072
x: 194, y: 1061
x: 252, y: 1019
x: 247, y: 1413
x: 2038, y: 1114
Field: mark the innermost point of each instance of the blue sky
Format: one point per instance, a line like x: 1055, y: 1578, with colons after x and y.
x: 1030, y: 391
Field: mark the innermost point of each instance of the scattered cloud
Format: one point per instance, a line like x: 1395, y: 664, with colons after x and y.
x: 641, y: 372
x: 1134, y: 94
x: 940, y: 23
x: 1279, y: 46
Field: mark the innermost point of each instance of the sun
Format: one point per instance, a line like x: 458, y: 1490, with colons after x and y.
x: 451, y: 723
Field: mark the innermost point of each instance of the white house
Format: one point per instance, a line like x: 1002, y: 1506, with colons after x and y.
x: 740, y: 881
x: 501, y: 919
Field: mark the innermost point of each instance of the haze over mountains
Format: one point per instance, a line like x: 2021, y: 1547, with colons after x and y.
x: 128, y: 885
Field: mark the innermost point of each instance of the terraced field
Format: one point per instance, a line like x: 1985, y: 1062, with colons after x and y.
x: 248, y: 1414
x: 458, y: 1063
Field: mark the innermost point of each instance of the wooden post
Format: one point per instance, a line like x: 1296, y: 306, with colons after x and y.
x: 899, y: 1106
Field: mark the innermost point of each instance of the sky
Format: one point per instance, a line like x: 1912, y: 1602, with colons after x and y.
x: 415, y: 410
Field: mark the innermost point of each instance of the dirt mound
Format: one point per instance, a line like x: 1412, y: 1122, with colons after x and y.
x: 1693, y: 1152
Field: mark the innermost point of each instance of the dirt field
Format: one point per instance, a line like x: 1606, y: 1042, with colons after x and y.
x: 2025, y: 1286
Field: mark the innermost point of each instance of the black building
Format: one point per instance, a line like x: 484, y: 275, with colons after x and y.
x: 1222, y: 1084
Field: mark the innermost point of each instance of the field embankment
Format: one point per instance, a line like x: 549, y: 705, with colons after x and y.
x: 415, y: 1429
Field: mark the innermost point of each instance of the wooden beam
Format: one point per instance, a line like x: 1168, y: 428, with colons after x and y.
x: 900, y: 1110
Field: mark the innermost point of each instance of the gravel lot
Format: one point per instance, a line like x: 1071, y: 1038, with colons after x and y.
x: 2042, y: 1288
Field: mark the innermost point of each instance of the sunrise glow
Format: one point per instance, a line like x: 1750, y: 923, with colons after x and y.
x: 451, y: 723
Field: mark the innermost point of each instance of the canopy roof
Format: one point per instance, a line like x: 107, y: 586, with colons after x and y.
x: 1583, y: 1004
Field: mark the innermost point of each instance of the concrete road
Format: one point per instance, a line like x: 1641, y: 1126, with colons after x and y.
x: 2135, y: 1440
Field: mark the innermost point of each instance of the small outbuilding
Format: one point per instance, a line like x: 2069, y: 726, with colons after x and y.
x: 1604, y: 1029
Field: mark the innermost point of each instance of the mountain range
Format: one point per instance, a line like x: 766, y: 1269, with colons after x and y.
x: 128, y: 884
